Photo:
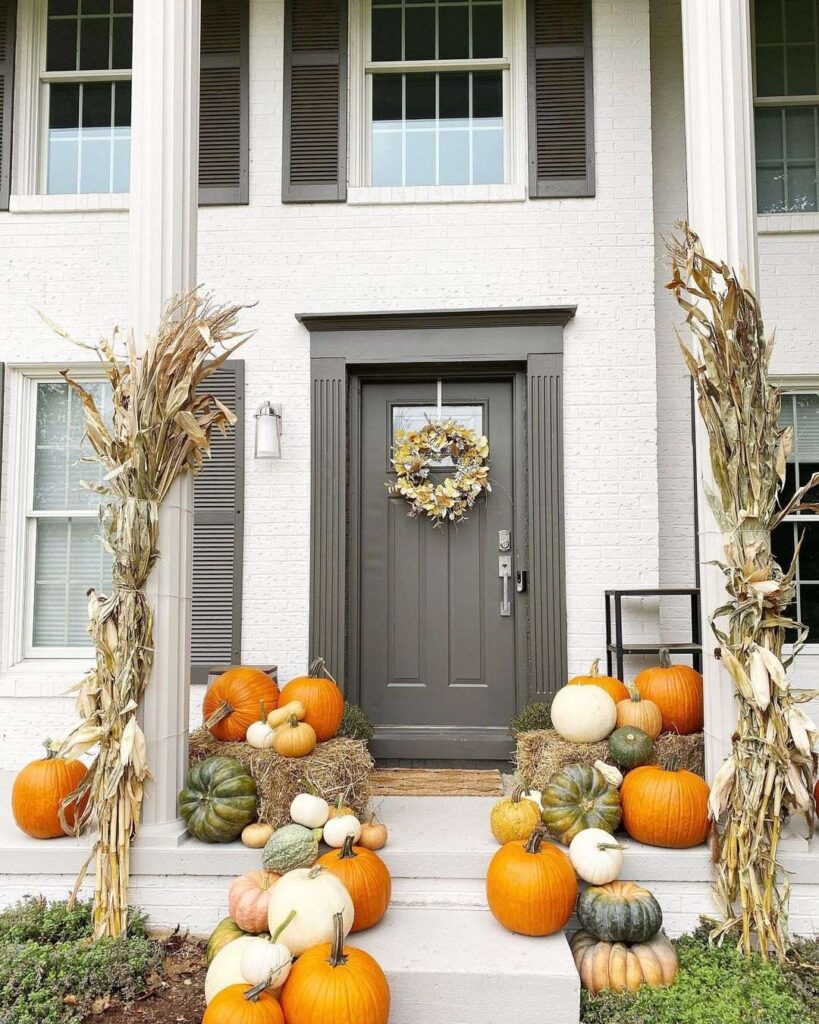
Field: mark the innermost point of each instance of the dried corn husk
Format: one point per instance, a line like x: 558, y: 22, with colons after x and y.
x: 768, y: 775
x: 161, y: 427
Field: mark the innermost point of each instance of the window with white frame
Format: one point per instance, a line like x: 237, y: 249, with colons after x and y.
x: 786, y: 102
x: 63, y: 555
x: 85, y: 96
x: 801, y: 411
x: 436, y: 83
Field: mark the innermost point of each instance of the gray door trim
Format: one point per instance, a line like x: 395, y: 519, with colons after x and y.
x: 339, y: 358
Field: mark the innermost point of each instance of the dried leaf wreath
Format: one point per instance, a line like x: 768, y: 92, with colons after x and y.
x: 161, y: 428
x: 416, y: 453
x: 768, y: 776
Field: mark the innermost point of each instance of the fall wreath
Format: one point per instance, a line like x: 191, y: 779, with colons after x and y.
x: 417, y: 452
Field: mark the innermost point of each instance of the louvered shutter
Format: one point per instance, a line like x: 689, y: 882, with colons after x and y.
x: 8, y: 18
x: 217, y: 536
x: 223, y: 103
x: 315, y: 101
x: 561, y: 114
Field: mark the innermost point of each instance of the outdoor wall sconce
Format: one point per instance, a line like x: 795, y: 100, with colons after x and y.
x: 269, y: 431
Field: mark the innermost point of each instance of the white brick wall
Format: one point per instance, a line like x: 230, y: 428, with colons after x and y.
x: 598, y: 254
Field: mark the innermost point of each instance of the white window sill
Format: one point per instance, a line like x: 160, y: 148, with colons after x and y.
x: 111, y: 202
x: 788, y: 223
x: 372, y: 196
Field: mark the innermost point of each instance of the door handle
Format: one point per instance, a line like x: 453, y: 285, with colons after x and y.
x: 505, y: 574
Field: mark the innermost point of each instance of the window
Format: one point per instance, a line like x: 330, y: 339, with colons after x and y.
x: 86, y: 96
x: 437, y: 74
x: 413, y: 417
x: 63, y: 555
x: 801, y: 411
x: 786, y: 100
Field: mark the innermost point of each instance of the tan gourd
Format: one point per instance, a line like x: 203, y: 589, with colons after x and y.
x: 278, y: 716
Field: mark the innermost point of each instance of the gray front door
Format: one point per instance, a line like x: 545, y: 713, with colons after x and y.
x: 438, y: 628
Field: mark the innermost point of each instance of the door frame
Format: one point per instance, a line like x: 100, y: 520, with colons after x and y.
x: 346, y: 347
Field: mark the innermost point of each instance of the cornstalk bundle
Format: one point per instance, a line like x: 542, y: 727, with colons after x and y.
x: 161, y: 427
x: 767, y: 778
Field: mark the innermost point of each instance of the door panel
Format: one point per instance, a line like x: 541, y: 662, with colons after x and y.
x: 435, y: 653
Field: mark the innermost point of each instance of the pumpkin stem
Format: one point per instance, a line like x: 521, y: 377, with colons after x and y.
x: 315, y: 871
x: 535, y: 839
x: 517, y: 793
x: 665, y: 658
x: 594, y: 671
x: 222, y: 710
x: 316, y: 668
x: 252, y: 994
x: 611, y: 846
x: 310, y: 787
x: 337, y: 955
x: 294, y: 722
x: 263, y: 716
x: 50, y: 752
x: 671, y: 763
x: 347, y: 851
x: 633, y: 693
x: 274, y: 937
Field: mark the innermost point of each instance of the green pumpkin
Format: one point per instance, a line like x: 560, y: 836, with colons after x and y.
x: 630, y: 747
x: 619, y: 912
x: 291, y: 846
x: 224, y: 933
x: 579, y: 797
x: 218, y: 800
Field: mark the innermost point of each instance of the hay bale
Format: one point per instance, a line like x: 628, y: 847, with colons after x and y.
x: 340, y: 766
x: 541, y: 753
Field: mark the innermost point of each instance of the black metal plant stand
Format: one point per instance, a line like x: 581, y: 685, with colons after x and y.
x: 617, y: 648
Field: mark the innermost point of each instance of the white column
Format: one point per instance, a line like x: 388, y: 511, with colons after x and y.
x: 162, y: 252
x: 722, y: 210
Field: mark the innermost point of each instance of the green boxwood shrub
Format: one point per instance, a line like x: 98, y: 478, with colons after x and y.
x: 536, y: 715
x: 355, y: 724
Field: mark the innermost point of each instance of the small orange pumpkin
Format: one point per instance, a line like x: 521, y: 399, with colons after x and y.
x: 243, y: 1004
x: 336, y: 984
x: 339, y: 809
x: 643, y: 714
x: 665, y: 806
x: 531, y: 886
x: 40, y: 789
x: 374, y: 834
x: 232, y: 702
x: 322, y: 698
x: 613, y: 687
x: 248, y: 898
x: 677, y: 692
x: 294, y: 739
x: 366, y: 879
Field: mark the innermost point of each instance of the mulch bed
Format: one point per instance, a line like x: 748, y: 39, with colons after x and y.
x: 339, y: 767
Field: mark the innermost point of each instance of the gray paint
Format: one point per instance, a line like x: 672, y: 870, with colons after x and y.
x: 8, y: 24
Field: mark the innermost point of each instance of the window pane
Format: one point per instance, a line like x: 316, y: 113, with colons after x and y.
x: 122, y: 165
x: 387, y: 101
x: 94, y: 43
x: 122, y: 104
x: 770, y: 189
x: 807, y: 427
x: 63, y: 165
x: 799, y: 16
x: 487, y: 30
x: 96, y: 6
x: 420, y: 158
x: 769, y: 139
x: 96, y: 104
x: 387, y: 163
x: 419, y: 33
x: 768, y: 21
x: 414, y: 417
x: 61, y: 44
x: 801, y: 70
x: 89, y: 137
x: 121, y: 44
x: 801, y: 188
x: 799, y: 134
x: 809, y: 601
x: 487, y: 157
x: 95, y: 163
x: 57, y: 7
x: 386, y: 37
x: 453, y: 32
x: 770, y: 71
x: 64, y: 106
x: 487, y: 94
x: 420, y: 97
x: 782, y: 545
x: 454, y: 157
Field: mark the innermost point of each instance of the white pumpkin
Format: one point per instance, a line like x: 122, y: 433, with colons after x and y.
x: 535, y: 796
x: 226, y: 967
x: 596, y: 856
x: 612, y: 775
x: 301, y: 909
x: 337, y: 829
x: 265, y: 962
x: 260, y: 734
x: 583, y: 714
x: 310, y: 811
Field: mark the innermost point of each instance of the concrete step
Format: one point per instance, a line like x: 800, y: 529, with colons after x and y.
x: 461, y: 967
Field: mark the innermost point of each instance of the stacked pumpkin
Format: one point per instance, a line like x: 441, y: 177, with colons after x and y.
x: 282, y: 948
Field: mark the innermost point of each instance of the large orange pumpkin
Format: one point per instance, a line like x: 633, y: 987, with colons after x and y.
x: 336, y: 984
x: 613, y: 687
x: 531, y: 886
x: 665, y: 806
x: 242, y: 1004
x: 321, y: 697
x: 366, y: 879
x: 677, y: 692
x: 38, y: 791
x: 232, y: 702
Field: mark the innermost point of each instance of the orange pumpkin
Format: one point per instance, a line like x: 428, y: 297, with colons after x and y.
x: 677, y: 692
x: 248, y: 897
x: 322, y: 698
x: 232, y: 702
x: 336, y: 984
x: 242, y: 1004
x: 665, y: 806
x: 366, y: 879
x: 531, y: 886
x: 374, y: 834
x: 38, y: 791
x: 639, y: 713
x: 613, y: 687
x: 294, y: 739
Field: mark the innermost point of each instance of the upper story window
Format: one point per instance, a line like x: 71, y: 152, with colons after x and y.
x: 786, y: 101
x: 86, y: 102
x: 436, y: 79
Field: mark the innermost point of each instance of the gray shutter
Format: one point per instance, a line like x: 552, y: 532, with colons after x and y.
x: 315, y: 101
x: 223, y: 103
x: 561, y: 99
x: 216, y: 630
x: 8, y: 18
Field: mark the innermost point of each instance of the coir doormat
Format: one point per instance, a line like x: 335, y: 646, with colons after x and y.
x: 435, y: 782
